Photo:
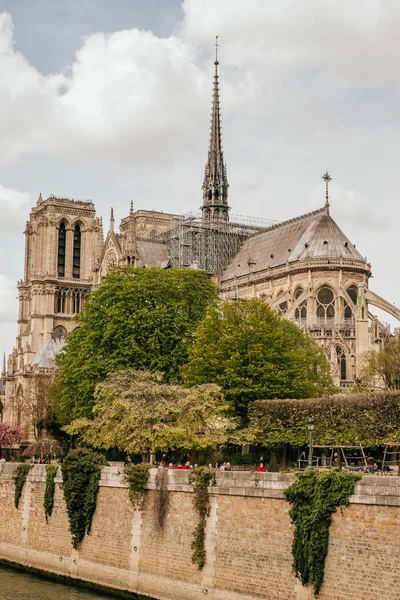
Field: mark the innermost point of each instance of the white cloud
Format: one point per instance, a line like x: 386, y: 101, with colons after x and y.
x: 14, y: 208
x: 8, y: 304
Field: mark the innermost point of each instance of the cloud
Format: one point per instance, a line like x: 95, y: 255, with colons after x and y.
x: 8, y: 304
x: 14, y: 208
x: 349, y: 207
x: 130, y: 96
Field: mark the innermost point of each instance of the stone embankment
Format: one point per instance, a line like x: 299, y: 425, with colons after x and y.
x: 248, y: 539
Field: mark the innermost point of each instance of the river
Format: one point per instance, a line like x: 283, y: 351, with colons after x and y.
x: 16, y: 585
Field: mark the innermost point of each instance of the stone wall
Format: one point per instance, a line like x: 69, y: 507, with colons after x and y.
x: 248, y: 539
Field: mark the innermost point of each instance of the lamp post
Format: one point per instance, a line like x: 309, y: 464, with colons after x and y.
x: 310, y: 427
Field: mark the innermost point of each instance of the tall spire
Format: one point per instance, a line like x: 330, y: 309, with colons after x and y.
x: 4, y: 371
x: 215, y: 184
x: 112, y: 220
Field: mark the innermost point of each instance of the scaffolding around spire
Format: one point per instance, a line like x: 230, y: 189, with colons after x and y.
x: 215, y: 183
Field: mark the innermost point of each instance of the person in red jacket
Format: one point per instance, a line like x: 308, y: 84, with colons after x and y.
x: 261, y: 468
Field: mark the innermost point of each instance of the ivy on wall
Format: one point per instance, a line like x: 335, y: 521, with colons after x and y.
x: 161, y: 499
x: 200, y: 479
x: 314, y: 497
x: 136, y: 477
x: 19, y: 479
x: 48, y: 501
x: 81, y: 472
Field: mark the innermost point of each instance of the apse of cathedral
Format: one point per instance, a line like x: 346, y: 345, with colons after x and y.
x: 305, y: 268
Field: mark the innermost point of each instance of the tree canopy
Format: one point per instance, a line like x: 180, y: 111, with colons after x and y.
x: 253, y: 353
x: 370, y: 419
x: 136, y: 413
x: 137, y: 318
x: 383, y: 368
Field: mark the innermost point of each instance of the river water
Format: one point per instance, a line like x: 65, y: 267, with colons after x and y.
x: 15, y: 585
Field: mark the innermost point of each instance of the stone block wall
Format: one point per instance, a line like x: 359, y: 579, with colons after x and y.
x: 248, y: 539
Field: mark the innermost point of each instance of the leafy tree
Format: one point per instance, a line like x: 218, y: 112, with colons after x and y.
x: 137, y: 318
x: 382, y: 369
x: 137, y: 413
x: 253, y: 353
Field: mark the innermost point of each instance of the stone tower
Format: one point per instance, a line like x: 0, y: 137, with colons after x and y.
x: 61, y: 244
x: 215, y: 184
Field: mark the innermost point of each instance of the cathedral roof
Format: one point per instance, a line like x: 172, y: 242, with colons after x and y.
x: 313, y: 235
x: 152, y: 254
x: 44, y: 358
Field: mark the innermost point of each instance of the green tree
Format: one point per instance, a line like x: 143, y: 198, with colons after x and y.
x: 137, y: 318
x: 137, y: 413
x: 253, y: 353
x: 382, y: 369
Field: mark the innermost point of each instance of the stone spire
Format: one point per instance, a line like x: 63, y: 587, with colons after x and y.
x: 215, y: 184
x: 130, y: 248
x: 112, y: 221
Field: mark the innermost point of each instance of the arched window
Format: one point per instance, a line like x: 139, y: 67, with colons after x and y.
x: 60, y: 300
x: 348, y: 313
x: 341, y: 358
x: 300, y: 313
x: 76, y: 302
x: 325, y: 304
x: 59, y: 332
x: 283, y: 306
x: 76, y: 260
x: 61, y: 251
x: 352, y: 292
x: 298, y: 292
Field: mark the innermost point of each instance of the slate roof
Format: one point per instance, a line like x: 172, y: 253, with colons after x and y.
x: 313, y: 235
x: 44, y: 358
x: 152, y: 254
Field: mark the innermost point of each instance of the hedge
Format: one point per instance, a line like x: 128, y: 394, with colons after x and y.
x: 367, y: 418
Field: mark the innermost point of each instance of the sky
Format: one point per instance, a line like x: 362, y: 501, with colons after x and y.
x: 110, y: 101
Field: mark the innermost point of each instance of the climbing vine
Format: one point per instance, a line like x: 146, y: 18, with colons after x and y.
x: 314, y: 497
x: 19, y: 480
x: 48, y: 501
x: 200, y: 480
x: 81, y: 471
x: 161, y: 498
x: 136, y: 477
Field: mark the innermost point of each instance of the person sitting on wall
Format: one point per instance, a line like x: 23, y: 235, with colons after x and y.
x: 261, y: 468
x: 228, y: 467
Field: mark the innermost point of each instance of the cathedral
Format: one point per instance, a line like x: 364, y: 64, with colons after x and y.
x: 305, y: 268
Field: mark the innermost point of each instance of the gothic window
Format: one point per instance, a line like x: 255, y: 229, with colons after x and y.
x: 348, y: 313
x: 325, y: 304
x: 283, y: 306
x: 300, y: 313
x: 76, y: 261
x: 60, y: 301
x: 61, y: 250
x: 341, y: 358
x: 110, y: 260
x: 352, y: 292
x: 59, y: 332
x: 76, y: 302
